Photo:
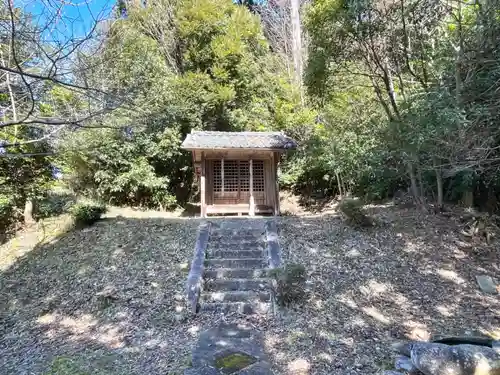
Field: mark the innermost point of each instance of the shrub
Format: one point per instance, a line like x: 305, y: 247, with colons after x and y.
x: 352, y: 210
x: 54, y: 203
x: 290, y: 283
x: 7, y: 214
x: 86, y: 214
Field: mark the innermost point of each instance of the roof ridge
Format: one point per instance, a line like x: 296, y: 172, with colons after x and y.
x: 212, y: 139
x: 237, y: 132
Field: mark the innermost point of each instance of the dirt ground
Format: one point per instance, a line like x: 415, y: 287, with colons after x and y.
x: 104, y: 300
x: 108, y: 299
x: 411, y: 277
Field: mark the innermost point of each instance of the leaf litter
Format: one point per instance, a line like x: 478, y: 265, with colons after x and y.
x: 109, y: 300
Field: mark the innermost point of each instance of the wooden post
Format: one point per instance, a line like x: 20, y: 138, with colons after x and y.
x: 222, y: 174
x: 271, y: 186
x: 276, y: 184
x: 252, y: 201
x: 203, y: 186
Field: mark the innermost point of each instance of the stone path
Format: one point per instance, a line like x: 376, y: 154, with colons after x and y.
x: 234, y: 281
x: 236, y: 267
x: 229, y: 349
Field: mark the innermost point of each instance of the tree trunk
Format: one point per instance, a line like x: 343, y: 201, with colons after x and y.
x: 439, y: 182
x: 420, y: 180
x: 28, y: 211
x: 339, y: 183
x: 458, y: 58
x: 468, y: 199
x: 297, y: 43
x: 413, y: 182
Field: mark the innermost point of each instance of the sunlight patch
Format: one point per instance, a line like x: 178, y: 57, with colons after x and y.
x: 299, y: 366
x: 443, y: 310
x: 46, y: 319
x: 376, y: 314
x: 326, y: 357
x: 348, y: 301
x: 353, y: 253
x: 450, y: 275
x: 374, y: 288
x: 417, y: 331
x: 194, y: 330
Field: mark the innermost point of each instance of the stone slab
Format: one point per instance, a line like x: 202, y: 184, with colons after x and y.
x: 486, y: 284
x: 260, y: 368
x: 227, y: 338
x: 273, y: 247
x: 195, y: 277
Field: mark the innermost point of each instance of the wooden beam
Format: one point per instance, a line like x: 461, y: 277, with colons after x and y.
x: 203, y: 186
x: 252, y: 200
x: 237, y: 209
x: 237, y: 155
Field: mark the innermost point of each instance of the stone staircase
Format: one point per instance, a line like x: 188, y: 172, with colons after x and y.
x: 235, y: 275
x: 229, y: 275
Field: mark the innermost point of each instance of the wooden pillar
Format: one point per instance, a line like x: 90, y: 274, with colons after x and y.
x: 276, y: 184
x: 252, y: 201
x: 203, y: 186
x: 222, y: 174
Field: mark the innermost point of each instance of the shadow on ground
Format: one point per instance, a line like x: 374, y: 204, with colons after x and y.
x: 102, y: 300
x: 405, y: 279
x: 107, y: 300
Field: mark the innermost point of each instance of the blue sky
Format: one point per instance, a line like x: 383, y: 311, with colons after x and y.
x: 74, y: 17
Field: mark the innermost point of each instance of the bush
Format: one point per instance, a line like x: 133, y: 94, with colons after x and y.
x: 86, y: 214
x: 7, y: 214
x: 290, y: 283
x: 54, y: 203
x: 352, y: 210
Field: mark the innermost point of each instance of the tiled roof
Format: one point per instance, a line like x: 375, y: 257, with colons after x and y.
x: 224, y: 140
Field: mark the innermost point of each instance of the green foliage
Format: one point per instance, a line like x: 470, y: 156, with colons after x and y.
x: 290, y: 283
x: 21, y: 178
x: 395, y: 110
x: 54, y: 203
x: 234, y: 361
x: 7, y: 213
x: 65, y: 366
x: 86, y: 214
x: 217, y: 73
x: 352, y: 210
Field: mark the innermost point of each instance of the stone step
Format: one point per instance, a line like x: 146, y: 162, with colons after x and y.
x: 236, y: 296
x: 236, y: 254
x: 257, y: 284
x: 238, y: 231
x: 235, y: 273
x: 245, y: 308
x: 235, y: 245
x: 236, y: 263
x: 227, y: 239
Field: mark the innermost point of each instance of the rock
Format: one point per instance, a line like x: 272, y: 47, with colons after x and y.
x: 486, y: 284
x: 184, y: 266
x: 402, y: 348
x: 404, y: 363
x: 437, y: 359
x: 299, y: 367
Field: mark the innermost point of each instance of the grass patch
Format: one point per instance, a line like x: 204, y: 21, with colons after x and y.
x: 234, y: 362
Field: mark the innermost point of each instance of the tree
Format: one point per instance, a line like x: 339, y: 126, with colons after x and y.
x: 39, y: 56
x: 183, y: 66
x: 412, y: 54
